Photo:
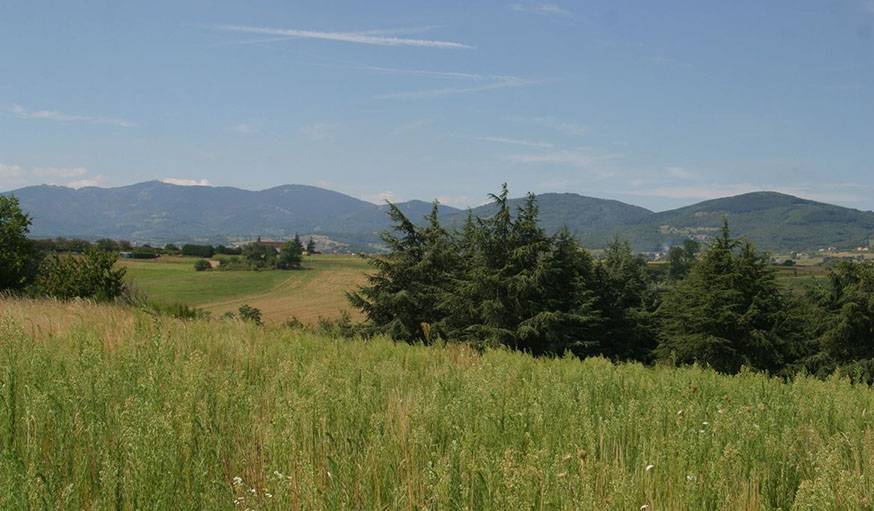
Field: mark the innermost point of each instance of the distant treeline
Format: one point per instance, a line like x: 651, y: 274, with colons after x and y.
x: 502, y: 281
x: 78, y: 246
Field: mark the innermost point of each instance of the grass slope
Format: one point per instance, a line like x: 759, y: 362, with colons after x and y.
x: 316, y: 291
x: 104, y: 408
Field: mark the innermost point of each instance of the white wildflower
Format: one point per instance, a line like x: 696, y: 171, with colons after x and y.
x: 238, y: 481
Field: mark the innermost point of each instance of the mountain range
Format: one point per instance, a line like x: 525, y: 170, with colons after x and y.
x: 159, y: 212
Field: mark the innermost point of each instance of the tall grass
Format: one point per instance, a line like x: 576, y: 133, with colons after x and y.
x: 103, y: 408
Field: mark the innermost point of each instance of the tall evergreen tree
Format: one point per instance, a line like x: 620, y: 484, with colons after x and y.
x: 845, y: 330
x: 627, y: 302
x: 402, y: 296
x: 291, y: 255
x: 729, y: 312
x: 564, y: 316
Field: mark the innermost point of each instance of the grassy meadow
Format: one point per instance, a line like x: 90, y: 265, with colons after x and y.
x: 316, y: 291
x: 104, y: 407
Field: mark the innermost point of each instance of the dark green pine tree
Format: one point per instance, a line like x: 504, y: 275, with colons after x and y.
x: 729, y: 312
x: 496, y: 291
x: 627, y: 301
x: 565, y: 317
x: 845, y: 330
x: 291, y: 255
x: 401, y: 297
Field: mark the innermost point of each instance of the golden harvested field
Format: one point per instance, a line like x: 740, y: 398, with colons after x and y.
x: 316, y: 291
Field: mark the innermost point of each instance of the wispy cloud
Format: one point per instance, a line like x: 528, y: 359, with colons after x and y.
x: 680, y: 173
x: 519, y: 142
x: 495, y: 83
x: 361, y: 37
x: 16, y: 175
x: 409, y: 127
x: 567, y: 128
x: 244, y: 129
x: 185, y: 182
x: 546, y: 8
x: 54, y: 115
x: 320, y: 131
x: 449, y: 75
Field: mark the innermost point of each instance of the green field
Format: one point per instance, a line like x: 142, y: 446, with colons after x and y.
x: 104, y: 407
x: 317, y: 290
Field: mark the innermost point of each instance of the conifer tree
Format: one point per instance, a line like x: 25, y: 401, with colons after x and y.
x: 729, y: 312
x: 627, y: 302
x: 402, y: 296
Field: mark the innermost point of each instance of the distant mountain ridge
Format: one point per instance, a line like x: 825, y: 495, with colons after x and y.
x: 159, y: 212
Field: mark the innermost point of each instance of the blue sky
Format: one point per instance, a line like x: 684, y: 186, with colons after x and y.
x: 656, y: 103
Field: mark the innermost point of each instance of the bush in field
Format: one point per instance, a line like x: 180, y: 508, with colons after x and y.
x: 248, y: 313
x: 259, y: 255
x: 176, y: 310
x: 18, y: 255
x: 91, y: 275
x: 291, y: 255
x: 202, y: 265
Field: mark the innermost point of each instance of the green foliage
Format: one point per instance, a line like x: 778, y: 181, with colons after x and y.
x: 176, y: 310
x: 404, y: 293
x: 502, y: 281
x: 259, y: 255
x: 846, y: 335
x: 249, y: 313
x: 729, y: 312
x: 92, y: 275
x: 122, y: 410
x: 311, y: 246
x: 291, y: 255
x: 627, y: 301
x: 108, y: 245
x: 18, y: 255
x: 202, y: 265
x: 204, y: 251
x: 682, y: 257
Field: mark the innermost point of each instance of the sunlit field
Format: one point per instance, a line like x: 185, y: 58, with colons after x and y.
x: 318, y: 290
x: 104, y: 407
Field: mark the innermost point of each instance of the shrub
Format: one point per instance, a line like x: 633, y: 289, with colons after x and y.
x: 202, y: 265
x: 91, y: 275
x: 248, y: 313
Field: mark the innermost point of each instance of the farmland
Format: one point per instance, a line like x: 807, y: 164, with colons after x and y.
x: 107, y: 407
x: 316, y: 291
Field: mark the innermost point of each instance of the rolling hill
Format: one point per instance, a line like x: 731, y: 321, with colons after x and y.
x: 773, y: 221
x: 159, y: 213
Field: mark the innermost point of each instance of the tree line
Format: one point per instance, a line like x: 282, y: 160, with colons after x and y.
x: 502, y: 281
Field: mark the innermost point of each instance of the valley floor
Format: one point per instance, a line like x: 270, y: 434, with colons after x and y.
x: 106, y: 407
